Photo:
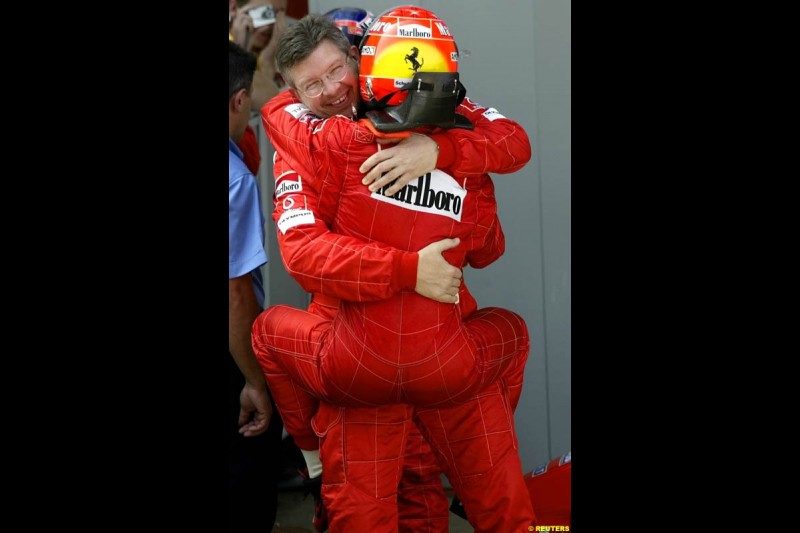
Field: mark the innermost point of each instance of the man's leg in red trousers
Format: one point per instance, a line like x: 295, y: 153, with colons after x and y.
x: 362, y: 451
x: 477, y: 446
x: 421, y: 500
x: 422, y: 505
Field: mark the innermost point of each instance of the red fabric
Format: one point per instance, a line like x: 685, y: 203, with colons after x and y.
x: 364, y: 457
x: 421, y: 502
x: 338, y: 265
x: 362, y: 450
x: 249, y: 146
x: 475, y: 441
x: 325, y: 359
x: 421, y: 505
x: 476, y: 445
x: 388, y: 350
x: 550, y: 487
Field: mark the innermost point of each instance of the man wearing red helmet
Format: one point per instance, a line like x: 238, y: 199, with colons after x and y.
x: 467, y: 448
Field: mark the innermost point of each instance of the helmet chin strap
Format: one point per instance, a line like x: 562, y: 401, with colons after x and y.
x: 458, y: 89
x: 431, y: 99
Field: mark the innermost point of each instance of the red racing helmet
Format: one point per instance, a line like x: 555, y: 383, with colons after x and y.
x: 408, y: 73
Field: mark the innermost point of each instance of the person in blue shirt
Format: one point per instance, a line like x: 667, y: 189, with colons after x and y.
x: 256, y: 427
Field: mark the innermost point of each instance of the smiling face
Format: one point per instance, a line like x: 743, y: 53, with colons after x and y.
x: 337, y: 98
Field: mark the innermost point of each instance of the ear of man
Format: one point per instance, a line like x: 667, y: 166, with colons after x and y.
x: 238, y: 100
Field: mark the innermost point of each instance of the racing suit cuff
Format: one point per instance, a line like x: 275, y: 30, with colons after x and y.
x: 447, y: 150
x: 405, y: 268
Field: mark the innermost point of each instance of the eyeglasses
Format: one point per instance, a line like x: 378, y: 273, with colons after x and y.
x: 334, y: 75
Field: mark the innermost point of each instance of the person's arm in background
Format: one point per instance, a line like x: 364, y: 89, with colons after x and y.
x: 240, y: 26
x: 497, y: 144
x: 255, y: 407
x: 264, y: 86
x: 246, y: 251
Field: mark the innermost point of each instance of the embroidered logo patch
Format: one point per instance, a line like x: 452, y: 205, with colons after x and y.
x: 492, y: 114
x: 286, y: 186
x: 297, y: 110
x: 294, y: 217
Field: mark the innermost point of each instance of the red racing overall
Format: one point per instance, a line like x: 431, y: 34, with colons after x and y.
x: 464, y: 365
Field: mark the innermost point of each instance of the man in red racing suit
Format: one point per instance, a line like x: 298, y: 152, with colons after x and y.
x: 381, y: 320
x: 424, y: 352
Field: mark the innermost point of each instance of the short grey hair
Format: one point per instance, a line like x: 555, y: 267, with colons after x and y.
x: 300, y: 40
